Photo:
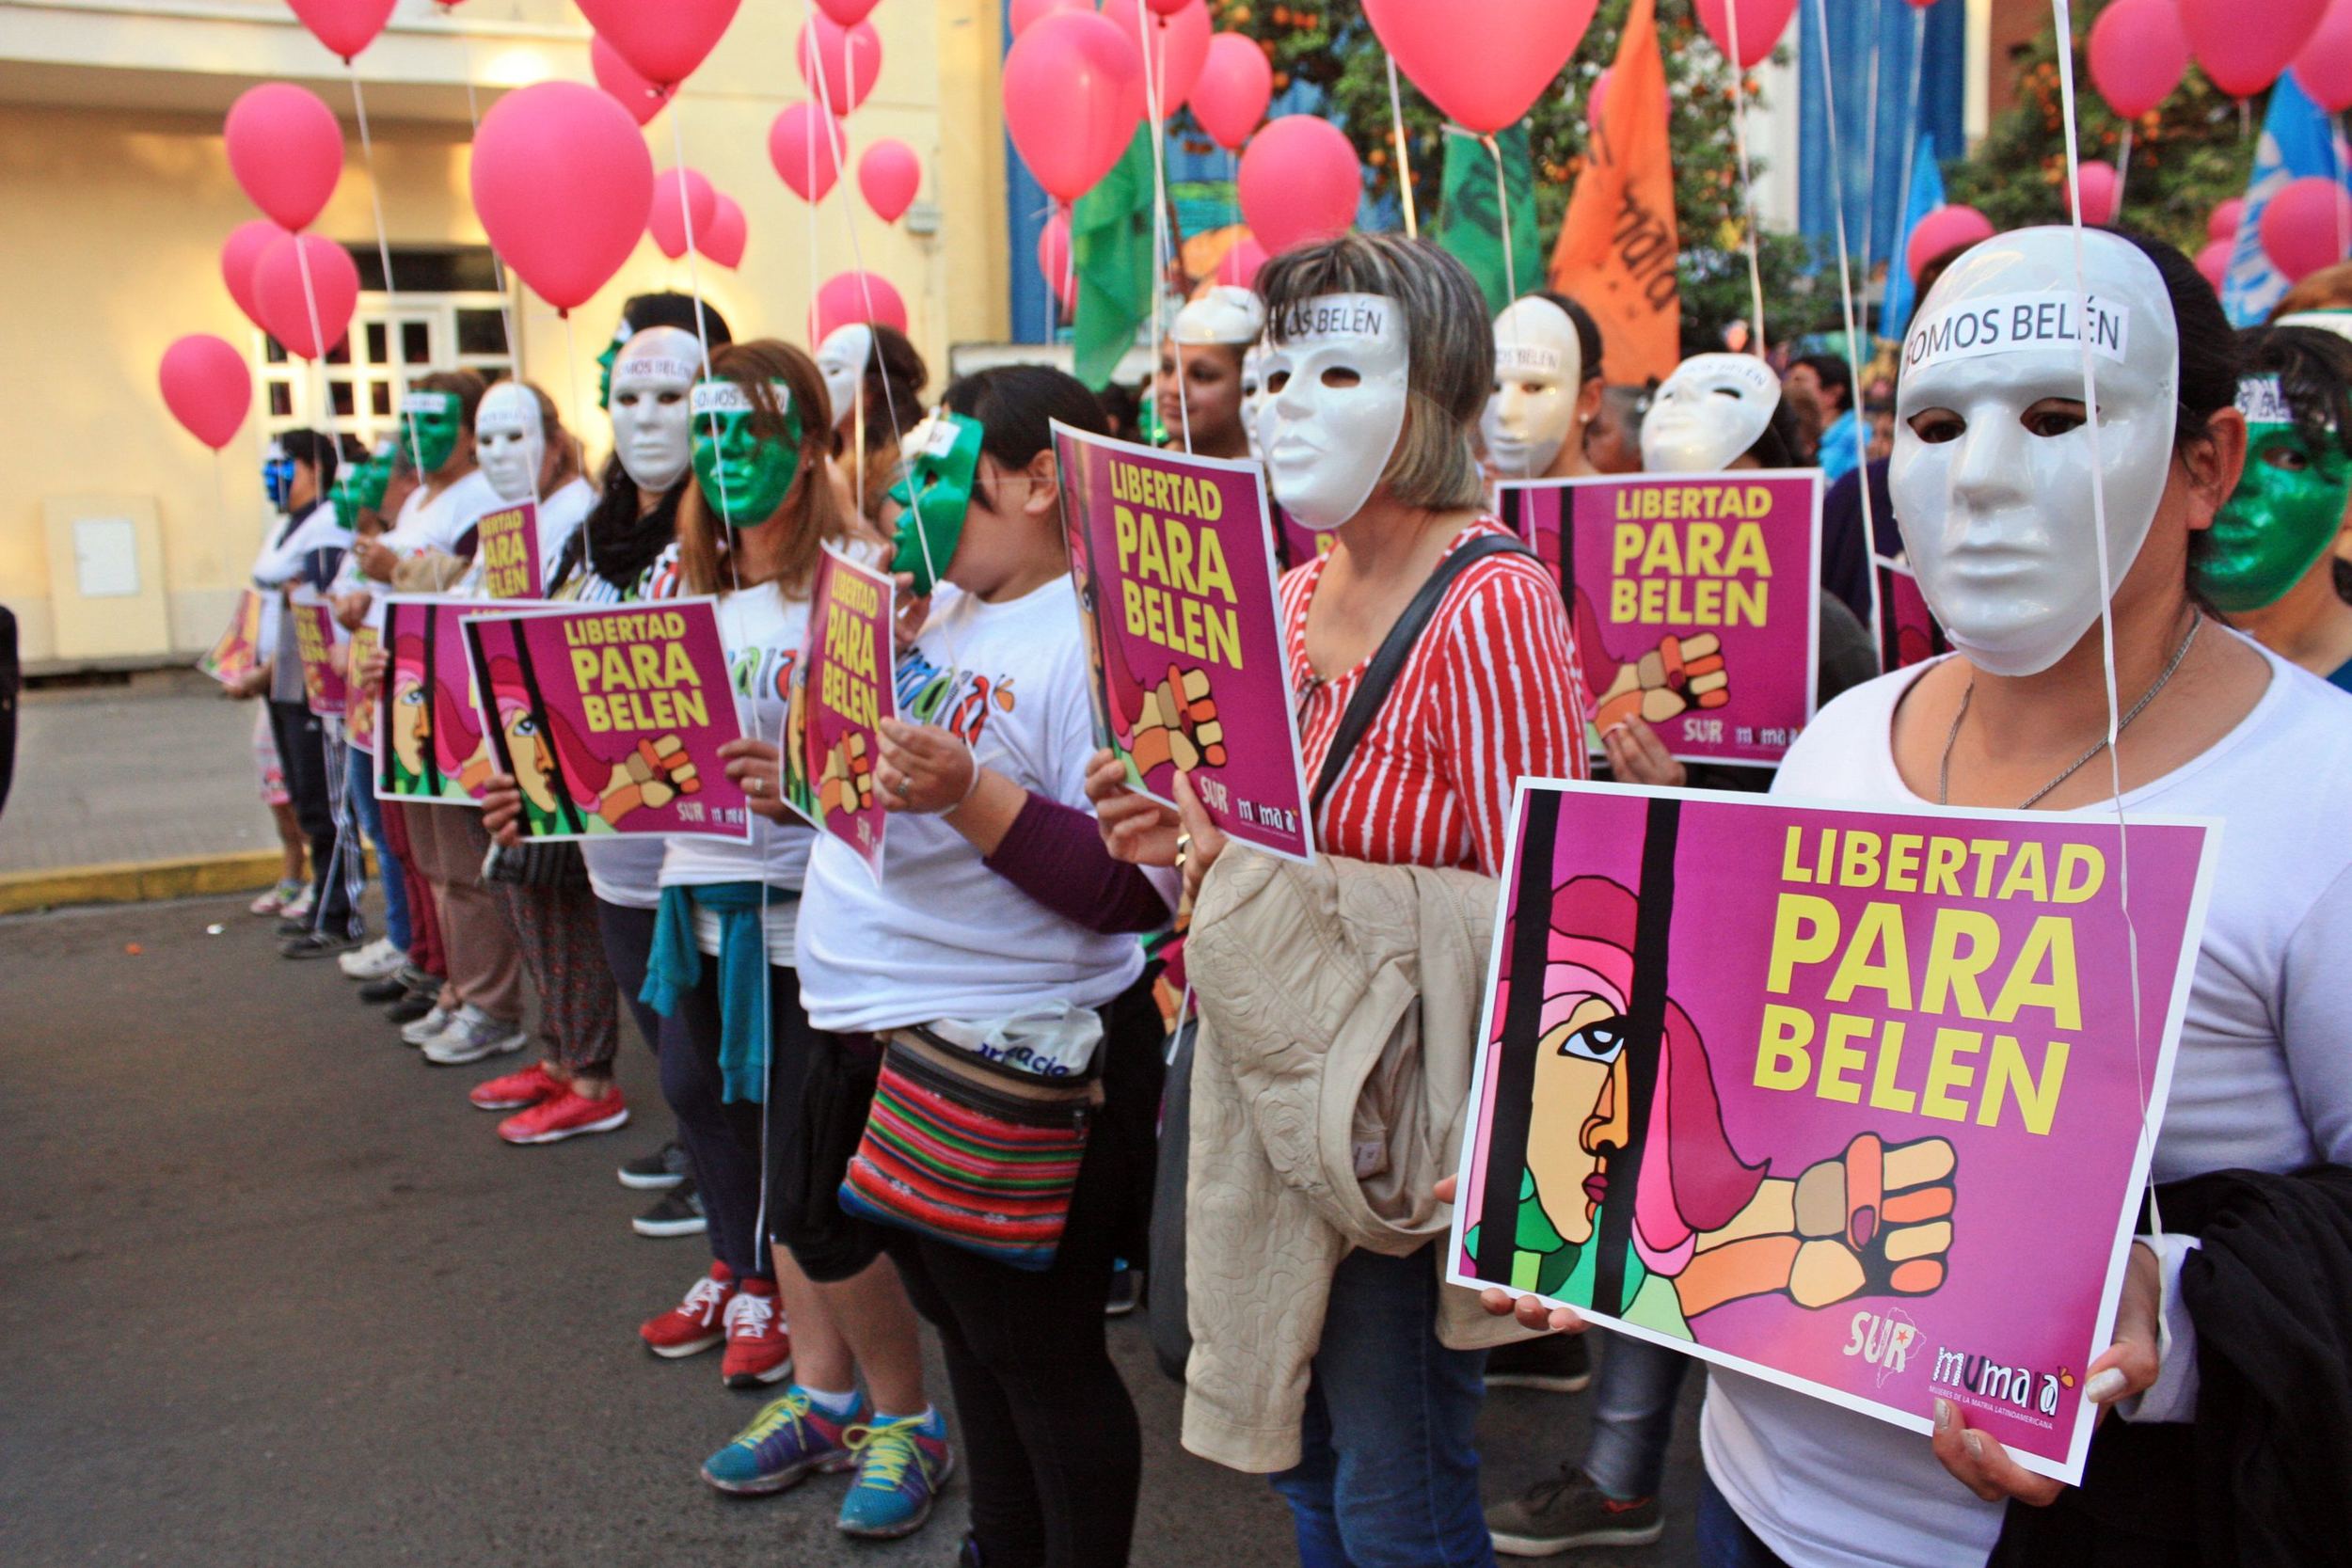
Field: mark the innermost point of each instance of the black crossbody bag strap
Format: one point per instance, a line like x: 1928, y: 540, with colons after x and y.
x: 1387, y: 664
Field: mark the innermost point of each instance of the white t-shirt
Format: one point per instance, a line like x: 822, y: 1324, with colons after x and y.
x: 559, y: 516
x: 943, y: 937
x: 422, y: 526
x: 764, y: 633
x: 2261, y: 1080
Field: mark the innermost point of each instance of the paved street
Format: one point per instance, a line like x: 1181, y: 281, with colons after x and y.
x: 277, y: 1295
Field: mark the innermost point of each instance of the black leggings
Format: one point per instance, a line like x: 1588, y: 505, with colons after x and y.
x: 724, y: 1142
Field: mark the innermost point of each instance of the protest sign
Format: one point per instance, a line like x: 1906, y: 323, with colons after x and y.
x: 312, y: 626
x: 1173, y: 564
x: 1693, y: 600
x: 611, y: 719
x: 238, y: 654
x: 842, y: 690
x: 1907, y: 631
x: 507, y: 545
x: 358, y: 706
x: 430, y: 745
x: 1295, y: 544
x: 1860, y: 1102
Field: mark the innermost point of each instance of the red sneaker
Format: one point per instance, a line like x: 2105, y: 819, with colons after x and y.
x: 515, y: 1090
x: 759, y: 1349
x: 567, y: 1116
x: 693, y: 1325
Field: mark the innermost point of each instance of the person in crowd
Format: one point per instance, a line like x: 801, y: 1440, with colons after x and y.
x: 1612, y: 442
x: 1122, y: 409
x: 1548, y: 389
x: 289, y: 898
x: 875, y: 378
x: 1829, y: 381
x: 1380, y: 360
x: 697, y: 319
x: 1198, y: 389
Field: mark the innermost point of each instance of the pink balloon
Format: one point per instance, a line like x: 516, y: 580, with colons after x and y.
x: 1026, y: 12
x: 2138, y: 54
x: 287, y: 307
x: 889, y: 173
x: 849, y: 297
x: 2100, y: 189
x: 851, y: 58
x: 1053, y: 260
x: 1941, y: 230
x: 805, y: 144
x: 615, y: 75
x: 562, y: 183
x: 2303, y: 228
x: 1596, y: 102
x: 679, y: 196
x: 2224, y: 219
x: 1482, y: 62
x: 1073, y: 93
x: 1299, y: 183
x: 1179, y: 45
x: 722, y: 242
x: 1761, y: 23
x: 238, y: 253
x: 207, y: 387
x: 2213, y: 261
x: 1236, y: 84
x: 2324, y: 69
x: 848, y: 13
x: 2244, y: 44
x: 1241, y: 263
x: 663, y: 39
x: 346, y: 27
x: 286, y: 150
x: 1167, y: 8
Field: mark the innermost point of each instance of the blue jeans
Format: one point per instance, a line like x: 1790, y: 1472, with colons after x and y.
x: 1634, y: 1415
x: 1388, y: 1469
x: 1724, y: 1539
x: 359, y: 789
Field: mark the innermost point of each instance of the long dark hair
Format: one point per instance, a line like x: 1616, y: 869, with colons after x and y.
x: 1017, y: 406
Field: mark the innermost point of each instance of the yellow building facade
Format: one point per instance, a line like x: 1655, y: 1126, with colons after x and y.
x: 122, y: 542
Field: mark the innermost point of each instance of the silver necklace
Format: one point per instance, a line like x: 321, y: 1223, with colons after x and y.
x: 1943, y: 773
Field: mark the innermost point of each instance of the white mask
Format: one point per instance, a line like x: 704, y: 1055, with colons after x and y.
x: 1996, y: 518
x: 651, y: 382
x: 509, y: 440
x: 1226, y: 314
x: 1335, y: 383
x: 1539, y: 371
x: 841, y: 359
x: 1254, y: 402
x: 1708, y: 414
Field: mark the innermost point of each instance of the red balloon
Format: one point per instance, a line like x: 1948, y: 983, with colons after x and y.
x: 851, y: 297
x: 805, y: 144
x: 663, y: 39
x: 1482, y: 62
x: 1073, y: 93
x: 286, y: 150
x: 2213, y: 261
x: 2324, y: 69
x: 2101, y: 188
x: 289, y: 308
x: 851, y: 58
x: 2304, y: 227
x: 1761, y: 23
x: 2244, y: 44
x: 1026, y: 12
x: 889, y: 173
x: 1944, y: 230
x: 1053, y: 260
x: 680, y: 197
x: 848, y: 13
x: 2223, y: 221
x: 562, y: 183
x: 2137, y: 55
x: 1299, y: 183
x: 1241, y: 263
x: 722, y: 242
x: 1236, y: 84
x: 1178, y: 46
x: 238, y: 253
x: 207, y: 387
x: 615, y: 75
x: 1167, y: 8
x: 346, y: 27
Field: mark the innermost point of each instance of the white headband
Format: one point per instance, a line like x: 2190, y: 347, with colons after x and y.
x: 1226, y: 314
x: 727, y: 397
x: 2007, y: 323
x: 2260, y: 399
x: 424, y: 402
x: 655, y: 368
x: 1343, y: 316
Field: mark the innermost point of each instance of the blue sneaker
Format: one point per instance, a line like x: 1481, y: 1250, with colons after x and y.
x: 789, y: 1439
x: 902, y: 1464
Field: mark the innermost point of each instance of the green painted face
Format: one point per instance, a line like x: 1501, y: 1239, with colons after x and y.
x: 936, y: 494
x: 744, y: 474
x: 604, y: 362
x: 2289, y: 506
x: 359, y: 487
x: 430, y: 424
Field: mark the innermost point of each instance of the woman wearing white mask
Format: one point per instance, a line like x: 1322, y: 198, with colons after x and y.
x: 1198, y: 389
x: 528, y: 456
x: 875, y: 378
x: 1546, y: 392
x: 1994, y: 483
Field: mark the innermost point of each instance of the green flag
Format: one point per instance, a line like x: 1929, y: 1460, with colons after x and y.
x: 1110, y: 245
x: 1467, y: 221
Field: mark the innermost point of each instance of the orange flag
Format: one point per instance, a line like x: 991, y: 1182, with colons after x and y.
x: 1617, y: 249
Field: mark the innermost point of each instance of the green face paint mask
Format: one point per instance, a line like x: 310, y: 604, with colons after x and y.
x: 2288, y: 509
x: 744, y: 475
x: 605, y: 361
x: 430, y: 424
x: 937, y: 495
x: 361, y: 487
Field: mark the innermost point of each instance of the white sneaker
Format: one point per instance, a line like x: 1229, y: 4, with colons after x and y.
x: 429, y: 1025
x: 377, y: 960
x: 472, y: 1036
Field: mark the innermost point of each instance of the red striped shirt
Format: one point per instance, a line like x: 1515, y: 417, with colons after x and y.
x: 1491, y: 695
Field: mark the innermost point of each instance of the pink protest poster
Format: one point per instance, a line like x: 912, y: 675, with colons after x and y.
x: 842, y: 690
x: 238, y: 652
x: 316, y: 634
x: 1908, y: 634
x: 1791, y: 1088
x: 506, y: 543
x: 358, y: 709
x: 1693, y: 600
x: 430, y: 745
x: 1173, y: 564
x: 1295, y: 544
x: 612, y: 719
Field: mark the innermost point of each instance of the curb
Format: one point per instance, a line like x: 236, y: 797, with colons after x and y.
x: 137, y: 881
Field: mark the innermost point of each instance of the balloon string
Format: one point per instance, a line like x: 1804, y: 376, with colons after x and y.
x: 1747, y: 180
x: 1503, y: 206
x: 1845, y: 286
x: 1404, y: 157
x: 2343, y: 218
x: 695, y: 279
x: 571, y: 357
x: 1162, y: 256
x: 2122, y: 169
x: 497, y: 267
x: 1911, y: 145
x: 318, y: 346
x: 383, y: 248
x: 837, y: 139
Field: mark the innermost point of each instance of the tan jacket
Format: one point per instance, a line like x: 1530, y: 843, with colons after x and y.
x: 1339, y: 1006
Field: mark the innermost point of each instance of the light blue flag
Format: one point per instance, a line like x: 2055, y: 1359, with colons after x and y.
x: 1927, y: 195
x: 2296, y: 144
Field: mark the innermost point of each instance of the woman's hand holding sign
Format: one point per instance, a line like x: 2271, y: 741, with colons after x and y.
x: 1135, y: 828
x: 502, y: 810
x: 758, y: 767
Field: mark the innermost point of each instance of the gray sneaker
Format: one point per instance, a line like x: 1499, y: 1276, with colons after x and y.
x: 472, y: 1036
x: 1570, y: 1511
